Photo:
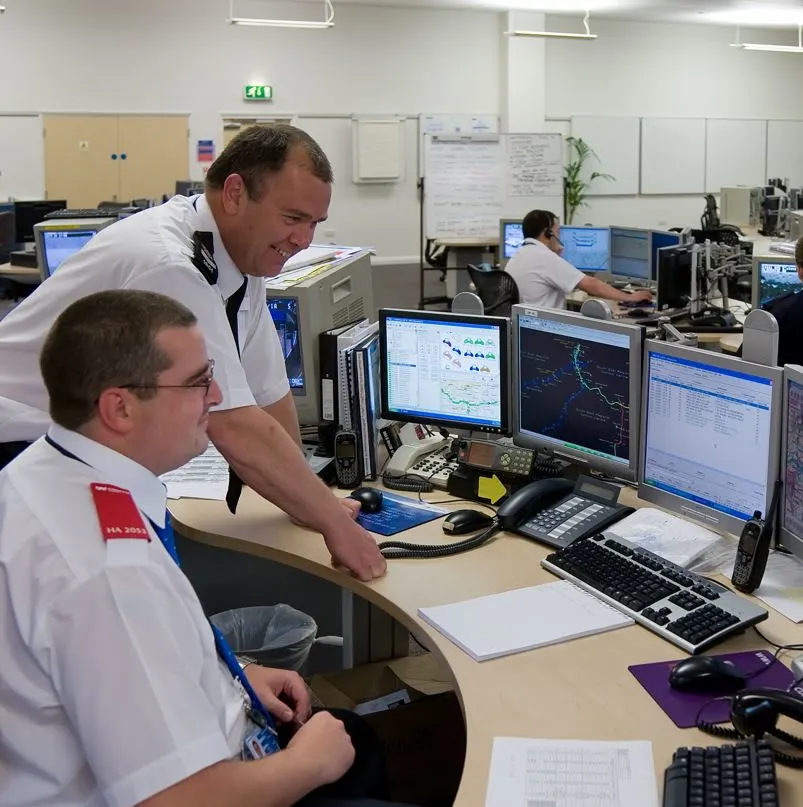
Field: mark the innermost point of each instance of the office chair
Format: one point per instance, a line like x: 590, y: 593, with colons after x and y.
x: 497, y: 290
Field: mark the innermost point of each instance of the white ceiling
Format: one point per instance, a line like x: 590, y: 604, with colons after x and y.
x: 760, y: 13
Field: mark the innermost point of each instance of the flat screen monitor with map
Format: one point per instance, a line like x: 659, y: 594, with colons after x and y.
x: 711, y: 432
x: 791, y: 510
x: 576, y: 388
x: 444, y: 369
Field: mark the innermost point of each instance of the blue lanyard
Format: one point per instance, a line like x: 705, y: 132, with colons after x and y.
x: 262, y: 715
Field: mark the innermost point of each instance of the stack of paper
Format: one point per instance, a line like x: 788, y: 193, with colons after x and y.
x: 523, y: 619
x: 204, y: 477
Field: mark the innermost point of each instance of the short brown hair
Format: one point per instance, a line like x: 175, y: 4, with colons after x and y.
x: 106, y: 340
x: 259, y: 151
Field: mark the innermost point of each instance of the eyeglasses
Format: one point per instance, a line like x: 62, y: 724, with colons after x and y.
x: 204, y: 383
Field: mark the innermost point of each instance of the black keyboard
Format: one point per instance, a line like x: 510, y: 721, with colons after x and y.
x: 685, y: 608
x: 741, y: 775
x: 84, y: 213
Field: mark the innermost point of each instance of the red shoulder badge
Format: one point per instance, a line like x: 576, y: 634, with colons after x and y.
x: 117, y: 513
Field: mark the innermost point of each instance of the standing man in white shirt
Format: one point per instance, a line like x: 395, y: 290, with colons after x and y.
x: 114, y: 688
x: 544, y: 278
x: 265, y: 194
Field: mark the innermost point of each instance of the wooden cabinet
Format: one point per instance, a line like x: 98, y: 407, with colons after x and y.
x: 95, y: 158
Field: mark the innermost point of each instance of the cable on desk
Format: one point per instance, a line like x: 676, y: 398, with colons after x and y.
x: 402, y: 549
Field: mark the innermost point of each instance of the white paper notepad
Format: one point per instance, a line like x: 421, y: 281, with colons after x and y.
x: 523, y: 619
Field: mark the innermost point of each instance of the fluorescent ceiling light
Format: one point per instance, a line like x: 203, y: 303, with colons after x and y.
x: 557, y: 34
x: 258, y: 21
x: 773, y: 48
x: 760, y: 18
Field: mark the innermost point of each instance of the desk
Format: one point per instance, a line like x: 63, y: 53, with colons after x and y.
x: 22, y: 274
x: 579, y: 689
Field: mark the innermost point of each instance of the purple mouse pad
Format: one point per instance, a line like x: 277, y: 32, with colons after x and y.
x: 683, y: 707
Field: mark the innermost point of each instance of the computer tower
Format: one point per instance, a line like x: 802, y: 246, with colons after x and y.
x: 740, y: 206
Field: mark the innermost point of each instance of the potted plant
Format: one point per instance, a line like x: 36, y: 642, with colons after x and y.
x: 575, y: 181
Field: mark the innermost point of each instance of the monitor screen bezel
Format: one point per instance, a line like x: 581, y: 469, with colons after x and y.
x: 654, y: 251
x: 562, y: 232
x: 786, y: 537
x: 503, y: 325
x: 604, y: 465
x: 786, y: 260
x: 709, y: 517
x: 502, y: 224
x: 640, y: 231
x: 302, y: 390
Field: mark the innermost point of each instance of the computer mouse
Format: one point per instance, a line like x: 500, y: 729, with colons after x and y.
x: 462, y: 521
x: 370, y: 499
x: 706, y: 674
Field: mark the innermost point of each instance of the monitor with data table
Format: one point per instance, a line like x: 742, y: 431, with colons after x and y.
x: 631, y: 257
x: 445, y: 369
x: 790, y: 514
x: 510, y: 239
x: 773, y: 276
x: 59, y: 239
x: 577, y: 388
x: 587, y: 248
x: 711, y: 430
x: 659, y: 240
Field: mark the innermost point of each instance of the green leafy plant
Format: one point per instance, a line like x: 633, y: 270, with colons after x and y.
x: 575, y: 182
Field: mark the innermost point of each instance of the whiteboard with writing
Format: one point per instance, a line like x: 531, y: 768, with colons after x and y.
x: 472, y: 182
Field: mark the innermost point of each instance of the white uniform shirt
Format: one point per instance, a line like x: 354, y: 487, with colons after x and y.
x: 110, y: 686
x: 149, y: 251
x: 542, y: 276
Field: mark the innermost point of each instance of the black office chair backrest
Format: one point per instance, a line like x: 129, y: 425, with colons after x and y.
x: 497, y: 290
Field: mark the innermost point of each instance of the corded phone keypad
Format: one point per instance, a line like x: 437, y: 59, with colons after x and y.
x: 570, y: 519
x: 435, y: 468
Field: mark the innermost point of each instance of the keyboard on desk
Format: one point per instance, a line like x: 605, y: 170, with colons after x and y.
x: 84, y: 213
x: 682, y: 607
x: 741, y: 775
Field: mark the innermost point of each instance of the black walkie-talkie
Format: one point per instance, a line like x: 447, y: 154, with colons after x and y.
x: 754, y: 548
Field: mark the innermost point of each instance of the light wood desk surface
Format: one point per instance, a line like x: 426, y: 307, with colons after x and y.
x: 22, y: 274
x: 575, y: 690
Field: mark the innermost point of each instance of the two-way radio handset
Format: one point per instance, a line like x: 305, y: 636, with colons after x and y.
x: 754, y: 548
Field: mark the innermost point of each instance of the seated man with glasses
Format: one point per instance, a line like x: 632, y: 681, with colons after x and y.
x: 114, y: 687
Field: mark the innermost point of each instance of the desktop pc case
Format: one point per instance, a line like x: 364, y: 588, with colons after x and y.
x: 740, y: 206
x: 320, y: 300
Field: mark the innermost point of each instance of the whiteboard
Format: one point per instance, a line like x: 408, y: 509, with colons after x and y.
x: 736, y: 153
x: 672, y: 155
x: 22, y: 157
x: 378, y: 150
x: 615, y: 141
x: 451, y: 124
x: 785, y: 150
x: 472, y: 182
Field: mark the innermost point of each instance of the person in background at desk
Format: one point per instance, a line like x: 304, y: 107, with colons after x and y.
x: 265, y: 194
x: 544, y: 278
x: 788, y: 310
x: 114, y: 687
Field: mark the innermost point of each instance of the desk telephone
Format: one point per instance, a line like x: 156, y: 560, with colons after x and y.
x: 550, y: 511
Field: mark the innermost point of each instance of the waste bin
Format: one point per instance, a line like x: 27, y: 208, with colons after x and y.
x: 275, y: 635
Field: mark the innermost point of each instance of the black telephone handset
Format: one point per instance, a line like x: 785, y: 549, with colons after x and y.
x: 522, y: 505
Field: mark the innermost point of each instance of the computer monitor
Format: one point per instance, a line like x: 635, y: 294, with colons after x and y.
x: 316, y: 300
x: 631, y: 254
x: 284, y: 312
x: 772, y: 277
x: 510, y: 239
x: 674, y: 276
x: 29, y: 213
x: 8, y: 231
x: 577, y: 388
x: 711, y: 432
x: 445, y: 369
x: 59, y: 239
x: 790, y: 516
x: 587, y: 248
x: 659, y: 240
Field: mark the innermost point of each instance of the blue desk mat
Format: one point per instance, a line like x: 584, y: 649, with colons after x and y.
x: 399, y: 513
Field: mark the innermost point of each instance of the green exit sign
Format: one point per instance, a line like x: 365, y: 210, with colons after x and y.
x: 258, y: 92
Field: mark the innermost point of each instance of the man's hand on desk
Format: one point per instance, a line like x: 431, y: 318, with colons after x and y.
x: 640, y: 296
x: 356, y: 549
x: 351, y: 505
x: 271, y: 684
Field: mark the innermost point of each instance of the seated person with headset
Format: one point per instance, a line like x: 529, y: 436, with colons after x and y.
x: 788, y: 310
x: 544, y: 278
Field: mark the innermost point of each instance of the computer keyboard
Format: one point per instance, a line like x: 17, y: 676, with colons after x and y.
x: 84, y: 213
x: 686, y: 609
x: 741, y: 775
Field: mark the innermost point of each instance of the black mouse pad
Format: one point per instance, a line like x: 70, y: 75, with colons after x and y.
x: 399, y: 513
x: 683, y: 707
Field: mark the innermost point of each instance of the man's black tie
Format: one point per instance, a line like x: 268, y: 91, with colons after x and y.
x: 232, y: 308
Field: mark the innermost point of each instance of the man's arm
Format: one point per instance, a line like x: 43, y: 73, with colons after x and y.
x: 284, y: 410
x: 595, y: 287
x: 267, y: 459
